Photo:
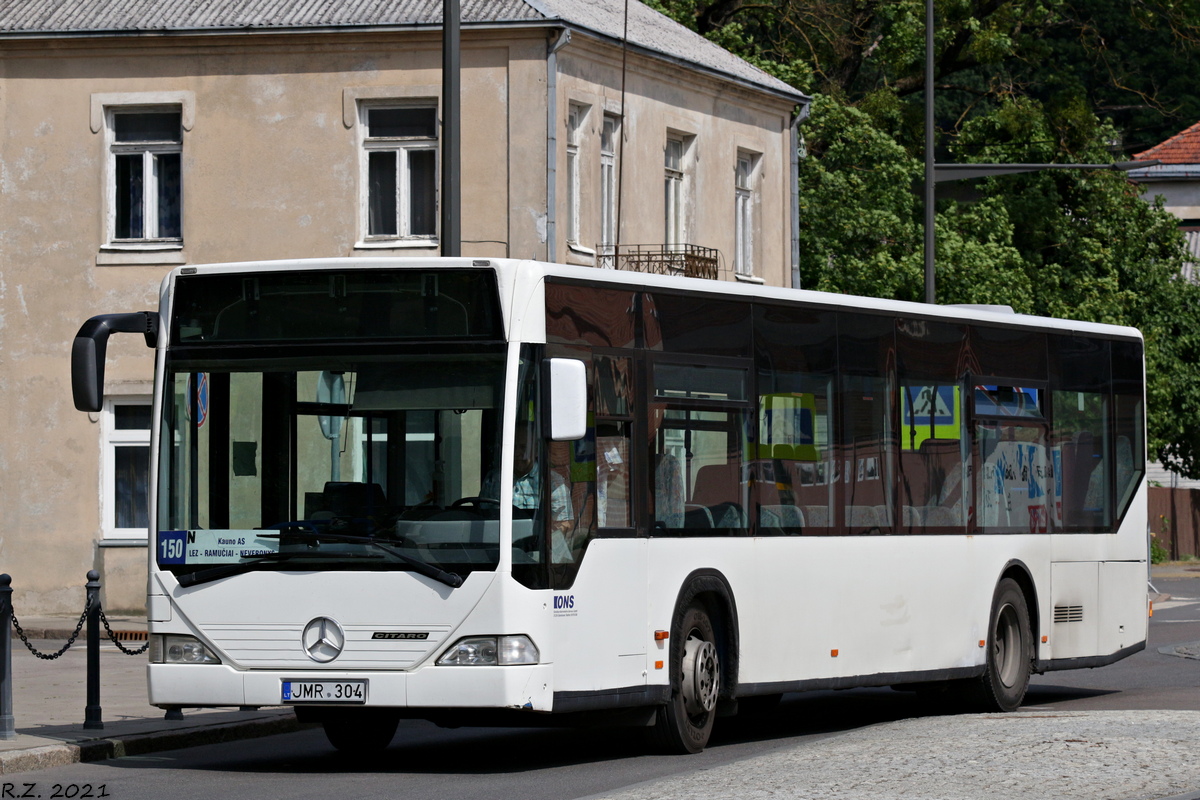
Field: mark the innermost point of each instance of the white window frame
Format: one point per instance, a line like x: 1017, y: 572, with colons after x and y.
x: 403, y: 147
x: 576, y: 114
x: 745, y: 205
x: 150, y: 190
x: 610, y: 134
x: 677, y: 154
x: 111, y: 439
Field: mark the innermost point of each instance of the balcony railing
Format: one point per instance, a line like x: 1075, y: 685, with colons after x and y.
x: 688, y: 260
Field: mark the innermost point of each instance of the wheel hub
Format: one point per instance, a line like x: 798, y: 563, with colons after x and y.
x: 701, y: 676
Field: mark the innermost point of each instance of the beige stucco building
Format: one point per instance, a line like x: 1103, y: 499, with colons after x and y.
x: 137, y: 137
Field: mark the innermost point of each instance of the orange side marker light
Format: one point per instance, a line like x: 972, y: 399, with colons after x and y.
x: 983, y: 642
x: 658, y: 665
x: 833, y: 653
x: 661, y: 635
x: 1045, y: 639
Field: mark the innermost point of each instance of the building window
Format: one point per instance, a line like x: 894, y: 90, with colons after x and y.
x: 400, y: 171
x: 575, y: 119
x: 126, y: 468
x: 608, y: 182
x: 675, y: 189
x: 743, y: 224
x: 146, y: 177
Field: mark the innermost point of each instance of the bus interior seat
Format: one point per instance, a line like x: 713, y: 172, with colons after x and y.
x: 718, y: 488
x: 668, y: 491
x: 780, y: 516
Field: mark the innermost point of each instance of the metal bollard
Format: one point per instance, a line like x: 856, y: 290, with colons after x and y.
x: 7, y: 723
x: 92, y: 718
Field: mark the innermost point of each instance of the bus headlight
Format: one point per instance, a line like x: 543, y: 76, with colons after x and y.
x: 178, y: 649
x: 490, y: 651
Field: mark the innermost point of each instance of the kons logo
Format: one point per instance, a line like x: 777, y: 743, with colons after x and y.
x: 564, y: 605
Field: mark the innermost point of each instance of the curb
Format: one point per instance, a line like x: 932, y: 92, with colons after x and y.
x: 58, y: 755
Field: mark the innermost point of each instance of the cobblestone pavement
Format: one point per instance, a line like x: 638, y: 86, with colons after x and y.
x: 1094, y: 755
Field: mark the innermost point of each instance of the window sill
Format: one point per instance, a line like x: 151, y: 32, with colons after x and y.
x: 140, y: 254
x: 749, y: 279
x: 115, y: 542
x: 578, y: 254
x: 396, y: 244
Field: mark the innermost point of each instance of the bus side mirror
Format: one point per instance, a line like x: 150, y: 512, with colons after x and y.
x: 90, y: 345
x: 567, y: 380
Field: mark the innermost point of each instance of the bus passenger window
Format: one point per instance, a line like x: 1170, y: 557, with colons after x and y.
x: 699, y: 438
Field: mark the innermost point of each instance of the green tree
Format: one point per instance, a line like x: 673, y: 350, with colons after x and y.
x: 1042, y: 81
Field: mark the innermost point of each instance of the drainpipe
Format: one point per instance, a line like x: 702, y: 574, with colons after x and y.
x: 797, y: 118
x: 561, y: 41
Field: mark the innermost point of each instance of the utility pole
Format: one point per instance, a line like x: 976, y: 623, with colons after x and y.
x: 451, y: 202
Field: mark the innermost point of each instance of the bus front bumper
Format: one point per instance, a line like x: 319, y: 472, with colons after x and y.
x: 480, y: 687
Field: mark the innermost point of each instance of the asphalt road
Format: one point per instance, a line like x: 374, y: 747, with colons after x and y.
x: 488, y: 763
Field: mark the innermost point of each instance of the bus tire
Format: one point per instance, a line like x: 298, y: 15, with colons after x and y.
x: 685, y: 723
x: 1009, y: 659
x: 362, y: 732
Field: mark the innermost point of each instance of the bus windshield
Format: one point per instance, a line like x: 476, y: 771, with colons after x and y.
x: 329, y: 461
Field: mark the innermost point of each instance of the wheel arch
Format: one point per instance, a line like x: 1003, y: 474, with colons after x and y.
x: 711, y: 589
x: 1019, y: 572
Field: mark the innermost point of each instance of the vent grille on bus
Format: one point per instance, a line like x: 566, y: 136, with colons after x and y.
x: 1068, y: 613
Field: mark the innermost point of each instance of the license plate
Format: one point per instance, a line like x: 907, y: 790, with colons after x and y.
x: 320, y: 691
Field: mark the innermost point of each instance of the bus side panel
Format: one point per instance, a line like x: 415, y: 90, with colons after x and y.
x: 600, y: 631
x: 1124, y: 618
x: 882, y: 605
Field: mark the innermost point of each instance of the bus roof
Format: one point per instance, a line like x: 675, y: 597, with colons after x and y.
x: 514, y: 270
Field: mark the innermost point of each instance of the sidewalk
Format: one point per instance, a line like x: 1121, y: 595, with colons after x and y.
x: 50, y: 698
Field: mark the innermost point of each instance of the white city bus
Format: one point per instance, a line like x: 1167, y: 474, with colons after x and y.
x: 508, y: 492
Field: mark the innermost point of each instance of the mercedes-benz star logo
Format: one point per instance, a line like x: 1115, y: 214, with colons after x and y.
x: 323, y: 640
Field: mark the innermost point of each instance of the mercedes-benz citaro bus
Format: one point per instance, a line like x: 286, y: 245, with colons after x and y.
x: 509, y: 492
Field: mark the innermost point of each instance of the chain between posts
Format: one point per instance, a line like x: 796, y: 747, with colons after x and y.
x: 108, y: 629
x: 61, y: 650
x: 75, y: 635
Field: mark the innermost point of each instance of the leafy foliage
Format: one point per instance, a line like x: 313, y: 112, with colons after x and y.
x: 1018, y: 81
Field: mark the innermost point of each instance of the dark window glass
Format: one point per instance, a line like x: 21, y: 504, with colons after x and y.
x: 422, y: 192
x: 999, y: 400
x: 130, y: 188
x: 401, y: 122
x: 381, y: 212
x: 794, y: 456
x: 933, y: 451
x: 866, y: 351
x: 589, y: 315
x: 1078, y: 364
x: 131, y: 485
x: 169, y: 221
x: 1130, y: 421
x: 1008, y: 353
x: 699, y: 325
x: 1014, y: 480
x: 131, y: 418
x: 355, y: 305
x: 147, y: 127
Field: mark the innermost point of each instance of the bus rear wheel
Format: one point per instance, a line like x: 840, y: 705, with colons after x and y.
x: 685, y: 723
x: 361, y: 732
x: 1009, y: 652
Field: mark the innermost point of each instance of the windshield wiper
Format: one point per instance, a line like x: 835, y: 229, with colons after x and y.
x: 422, y: 567
x: 227, y: 570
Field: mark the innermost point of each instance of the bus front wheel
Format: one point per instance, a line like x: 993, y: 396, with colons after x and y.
x: 685, y: 723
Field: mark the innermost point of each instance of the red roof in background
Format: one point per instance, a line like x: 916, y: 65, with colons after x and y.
x: 1182, y: 148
